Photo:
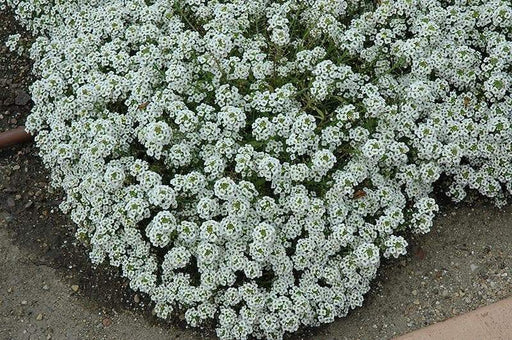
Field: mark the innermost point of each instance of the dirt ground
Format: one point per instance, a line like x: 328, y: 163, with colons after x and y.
x: 48, y: 289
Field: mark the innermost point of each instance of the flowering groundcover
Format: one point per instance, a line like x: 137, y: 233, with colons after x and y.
x: 249, y: 163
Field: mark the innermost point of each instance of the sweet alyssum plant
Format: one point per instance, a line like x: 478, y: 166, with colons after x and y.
x: 251, y: 162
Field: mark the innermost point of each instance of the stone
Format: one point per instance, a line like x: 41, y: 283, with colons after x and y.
x: 22, y: 98
x: 106, y: 322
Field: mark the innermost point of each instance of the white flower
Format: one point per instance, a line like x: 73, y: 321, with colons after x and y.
x: 177, y: 257
x: 161, y: 229
x: 264, y: 233
x: 225, y: 188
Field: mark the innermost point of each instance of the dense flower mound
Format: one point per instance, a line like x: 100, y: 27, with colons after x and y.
x: 249, y: 163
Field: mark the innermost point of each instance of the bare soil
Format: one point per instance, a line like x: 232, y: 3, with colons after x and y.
x: 49, y: 290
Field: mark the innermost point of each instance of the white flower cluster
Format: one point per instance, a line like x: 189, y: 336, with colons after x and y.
x: 13, y: 44
x: 250, y: 162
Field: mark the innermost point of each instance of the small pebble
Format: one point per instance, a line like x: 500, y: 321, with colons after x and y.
x: 107, y: 322
x: 74, y: 288
x: 39, y: 317
x: 136, y: 298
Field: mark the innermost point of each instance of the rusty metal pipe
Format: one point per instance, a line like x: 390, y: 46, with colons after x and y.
x: 14, y: 137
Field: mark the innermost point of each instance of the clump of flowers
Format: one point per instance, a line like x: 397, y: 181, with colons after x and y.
x: 251, y: 162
